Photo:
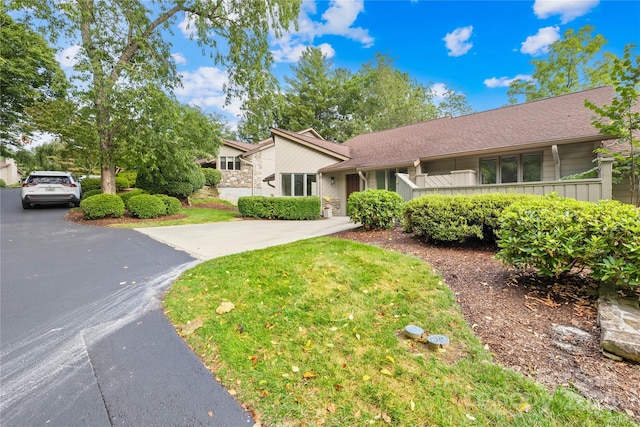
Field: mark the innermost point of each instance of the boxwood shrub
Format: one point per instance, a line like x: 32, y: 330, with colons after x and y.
x: 172, y: 204
x: 102, y: 206
x: 89, y: 184
x: 146, y: 206
x: 212, y: 177
x: 87, y: 194
x: 122, y: 183
x: 375, y: 209
x: 295, y: 208
x: 555, y: 235
x: 442, y: 218
x: 130, y: 177
x: 129, y: 194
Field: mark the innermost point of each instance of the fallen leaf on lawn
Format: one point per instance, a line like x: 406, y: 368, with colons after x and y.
x: 232, y: 392
x: 386, y: 418
x: 295, y: 369
x: 524, y: 407
x: 358, y: 336
x: 225, y: 307
x: 253, y: 359
x: 366, y: 378
x: 386, y: 372
x: 391, y: 359
x: 471, y: 417
x: 413, y: 405
x: 331, y: 408
x: 309, y: 374
x: 338, y: 387
x: 191, y: 326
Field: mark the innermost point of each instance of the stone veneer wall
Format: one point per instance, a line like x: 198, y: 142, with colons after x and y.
x: 242, y: 178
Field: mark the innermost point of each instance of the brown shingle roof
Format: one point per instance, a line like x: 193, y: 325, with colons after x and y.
x: 557, y: 120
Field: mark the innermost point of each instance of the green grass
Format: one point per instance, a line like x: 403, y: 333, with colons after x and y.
x: 315, y: 338
x: 195, y: 215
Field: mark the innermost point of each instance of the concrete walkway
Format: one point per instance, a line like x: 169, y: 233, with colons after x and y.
x: 207, y: 241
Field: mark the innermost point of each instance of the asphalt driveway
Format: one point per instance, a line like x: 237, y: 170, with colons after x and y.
x: 83, y: 340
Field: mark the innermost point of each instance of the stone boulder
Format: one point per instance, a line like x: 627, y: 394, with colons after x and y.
x: 619, y: 320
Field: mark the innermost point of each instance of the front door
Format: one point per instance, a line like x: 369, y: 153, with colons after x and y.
x: 353, y: 184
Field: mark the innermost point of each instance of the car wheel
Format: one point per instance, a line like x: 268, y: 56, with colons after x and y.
x: 26, y: 205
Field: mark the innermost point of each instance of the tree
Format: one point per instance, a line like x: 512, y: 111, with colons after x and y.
x: 622, y: 120
x: 570, y: 66
x: 28, y: 73
x: 123, y: 47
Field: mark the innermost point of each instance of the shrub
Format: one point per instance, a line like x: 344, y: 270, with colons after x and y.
x: 102, y: 206
x: 146, y: 206
x: 89, y: 184
x: 375, y: 209
x: 172, y: 204
x: 122, y: 183
x: 87, y: 194
x: 130, y: 176
x: 3, y: 183
x: 182, y: 184
x: 212, y: 177
x: 292, y: 208
x: 457, y: 218
x: 555, y: 235
x: 129, y: 194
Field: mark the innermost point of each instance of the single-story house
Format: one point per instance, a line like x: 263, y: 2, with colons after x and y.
x: 9, y: 171
x: 537, y: 147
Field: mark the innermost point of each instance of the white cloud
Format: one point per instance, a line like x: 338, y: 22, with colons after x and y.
x: 179, y: 58
x: 457, y: 41
x: 438, y: 90
x: 291, y: 52
x: 567, y: 9
x: 339, y: 18
x: 204, y: 88
x: 539, y: 43
x: 188, y: 26
x: 67, y: 57
x: 494, y: 82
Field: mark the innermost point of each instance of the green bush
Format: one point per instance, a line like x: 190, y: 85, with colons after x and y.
x: 122, y: 183
x: 89, y: 184
x: 129, y: 194
x: 130, y: 176
x: 212, y: 177
x: 555, y: 235
x: 146, y: 206
x: 182, y: 184
x: 3, y: 183
x: 87, y: 194
x: 293, y: 208
x: 102, y: 206
x: 172, y: 204
x: 375, y: 209
x: 457, y: 218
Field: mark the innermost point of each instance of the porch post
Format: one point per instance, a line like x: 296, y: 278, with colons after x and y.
x: 606, y: 176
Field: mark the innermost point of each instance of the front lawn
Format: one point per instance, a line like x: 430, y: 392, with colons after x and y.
x: 316, y: 338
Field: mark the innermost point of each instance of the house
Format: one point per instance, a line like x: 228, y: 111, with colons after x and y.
x: 527, y: 148
x: 9, y: 171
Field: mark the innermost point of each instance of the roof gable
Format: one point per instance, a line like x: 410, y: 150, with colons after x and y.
x: 339, y: 151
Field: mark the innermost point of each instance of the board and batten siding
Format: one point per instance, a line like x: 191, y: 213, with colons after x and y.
x: 576, y: 158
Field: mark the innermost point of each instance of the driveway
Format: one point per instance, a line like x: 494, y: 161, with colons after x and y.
x: 83, y: 340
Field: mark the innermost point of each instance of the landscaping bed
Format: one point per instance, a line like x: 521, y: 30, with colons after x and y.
x: 544, y: 330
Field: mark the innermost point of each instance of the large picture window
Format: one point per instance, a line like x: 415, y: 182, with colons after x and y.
x: 508, y: 169
x: 229, y: 163
x: 299, y: 184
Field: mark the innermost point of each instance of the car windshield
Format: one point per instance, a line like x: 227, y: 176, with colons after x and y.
x: 48, y: 180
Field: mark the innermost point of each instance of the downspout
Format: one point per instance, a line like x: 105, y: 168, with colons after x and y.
x: 363, y: 178
x: 556, y: 160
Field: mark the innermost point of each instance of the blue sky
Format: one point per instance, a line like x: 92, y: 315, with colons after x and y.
x: 474, y: 46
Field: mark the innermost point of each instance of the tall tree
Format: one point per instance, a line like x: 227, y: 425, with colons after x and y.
x: 622, y: 119
x: 123, y: 45
x: 570, y: 66
x: 29, y: 73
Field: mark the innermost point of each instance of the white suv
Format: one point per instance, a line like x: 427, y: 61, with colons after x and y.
x: 49, y: 188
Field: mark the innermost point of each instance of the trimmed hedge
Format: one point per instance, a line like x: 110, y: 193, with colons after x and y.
x: 555, y: 235
x: 183, y: 184
x: 146, y: 206
x: 102, y: 206
x: 457, y: 218
x: 172, y: 204
x: 296, y: 208
x: 129, y: 194
x: 375, y: 209
x: 122, y: 183
x: 87, y: 194
x: 89, y: 184
x: 212, y: 177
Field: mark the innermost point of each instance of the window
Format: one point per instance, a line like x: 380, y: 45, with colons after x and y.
x: 299, y: 184
x: 386, y: 179
x: 229, y: 163
x: 508, y: 169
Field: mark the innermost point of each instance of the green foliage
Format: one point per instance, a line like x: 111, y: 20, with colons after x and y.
x: 375, y: 209
x: 294, y: 208
x: 122, y: 183
x: 172, y: 204
x: 555, y: 235
x: 146, y: 206
x: 2, y: 183
x: 102, y: 206
x: 212, y: 177
x: 89, y: 184
x: 456, y: 218
x: 129, y: 194
x: 173, y: 182
x: 130, y: 175
x: 87, y: 194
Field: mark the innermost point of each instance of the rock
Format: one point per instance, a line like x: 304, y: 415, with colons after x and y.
x: 619, y: 320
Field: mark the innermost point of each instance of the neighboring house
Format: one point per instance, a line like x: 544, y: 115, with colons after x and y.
x: 9, y: 171
x: 525, y: 148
